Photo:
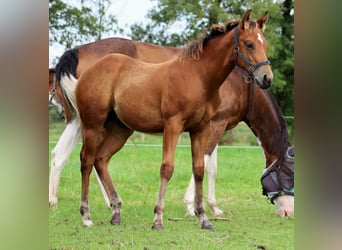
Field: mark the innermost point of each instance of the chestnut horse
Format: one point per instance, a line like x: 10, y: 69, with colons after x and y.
x: 181, y: 94
x: 258, y: 109
x: 72, y: 63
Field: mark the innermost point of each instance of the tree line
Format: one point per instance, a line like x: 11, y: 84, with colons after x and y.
x: 176, y: 22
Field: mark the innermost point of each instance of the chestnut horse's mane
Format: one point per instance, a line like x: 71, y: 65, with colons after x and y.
x: 195, y: 48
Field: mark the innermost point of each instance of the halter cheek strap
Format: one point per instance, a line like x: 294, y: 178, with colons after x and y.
x: 54, y: 91
x: 251, y: 66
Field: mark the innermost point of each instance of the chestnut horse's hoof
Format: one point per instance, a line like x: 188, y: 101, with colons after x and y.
x: 116, y: 219
x: 157, y: 227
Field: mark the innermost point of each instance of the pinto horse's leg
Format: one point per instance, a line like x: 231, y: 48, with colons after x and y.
x: 60, y: 154
x: 199, y: 141
x: 189, y: 197
x: 173, y: 128
x: 210, y: 164
x: 103, y: 190
x: 211, y: 167
x: 112, y: 143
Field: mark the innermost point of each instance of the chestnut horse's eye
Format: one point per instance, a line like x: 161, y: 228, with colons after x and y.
x: 249, y: 45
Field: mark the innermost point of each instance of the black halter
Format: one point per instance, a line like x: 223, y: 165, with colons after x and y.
x: 54, y: 91
x: 251, y: 66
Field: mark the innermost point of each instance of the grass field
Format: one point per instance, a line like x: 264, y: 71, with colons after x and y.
x: 252, y: 224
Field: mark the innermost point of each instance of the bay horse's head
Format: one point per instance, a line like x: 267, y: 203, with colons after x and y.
x: 278, y: 183
x: 250, y: 50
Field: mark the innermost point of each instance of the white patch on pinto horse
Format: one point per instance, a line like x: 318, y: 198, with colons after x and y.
x: 284, y: 205
x: 260, y: 38
x: 60, y: 154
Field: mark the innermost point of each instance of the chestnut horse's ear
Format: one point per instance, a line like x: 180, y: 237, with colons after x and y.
x: 262, y: 21
x: 246, y: 19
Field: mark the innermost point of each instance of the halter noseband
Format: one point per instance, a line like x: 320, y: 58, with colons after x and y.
x: 251, y: 66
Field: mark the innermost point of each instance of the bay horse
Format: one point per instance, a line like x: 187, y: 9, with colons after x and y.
x: 258, y: 109
x: 181, y: 94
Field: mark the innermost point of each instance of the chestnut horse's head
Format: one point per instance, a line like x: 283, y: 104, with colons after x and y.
x: 250, y: 50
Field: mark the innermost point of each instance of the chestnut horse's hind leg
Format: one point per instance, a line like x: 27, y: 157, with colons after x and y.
x: 114, y: 140
x: 172, y: 130
x: 88, y: 151
x: 199, y: 141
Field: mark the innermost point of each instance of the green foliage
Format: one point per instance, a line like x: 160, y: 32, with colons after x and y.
x: 177, y: 22
x: 73, y: 25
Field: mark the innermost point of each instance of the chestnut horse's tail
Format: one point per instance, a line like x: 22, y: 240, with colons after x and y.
x: 66, y: 77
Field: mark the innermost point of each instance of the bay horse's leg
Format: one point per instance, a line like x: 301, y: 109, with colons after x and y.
x: 59, y: 156
x: 115, y: 139
x: 199, y: 141
x: 173, y: 128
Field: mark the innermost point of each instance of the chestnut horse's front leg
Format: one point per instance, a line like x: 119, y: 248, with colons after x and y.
x: 199, y: 141
x: 172, y: 130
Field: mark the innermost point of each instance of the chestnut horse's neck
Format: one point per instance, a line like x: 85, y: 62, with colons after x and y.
x: 212, y: 58
x: 268, y: 124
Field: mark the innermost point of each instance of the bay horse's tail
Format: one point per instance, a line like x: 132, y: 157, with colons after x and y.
x: 66, y: 76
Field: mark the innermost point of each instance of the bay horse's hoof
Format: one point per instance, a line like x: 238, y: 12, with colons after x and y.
x: 157, y: 227
x: 116, y: 220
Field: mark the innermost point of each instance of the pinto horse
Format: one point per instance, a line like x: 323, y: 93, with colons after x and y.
x: 258, y: 109
x: 181, y: 94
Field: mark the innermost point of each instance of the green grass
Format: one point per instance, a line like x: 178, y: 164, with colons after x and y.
x: 253, y: 222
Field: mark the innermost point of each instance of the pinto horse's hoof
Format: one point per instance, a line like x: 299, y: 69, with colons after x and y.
x: 87, y: 223
x: 157, y: 227
x: 116, y: 220
x: 207, y: 225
